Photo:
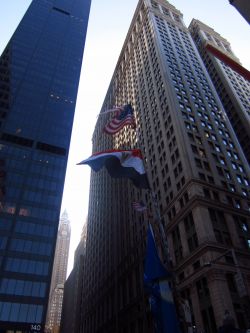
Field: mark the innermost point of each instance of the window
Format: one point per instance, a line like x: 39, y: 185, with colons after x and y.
x: 206, y: 193
x: 239, y: 179
x: 220, y: 226
x: 27, y: 266
x: 234, y: 165
x: 231, y: 283
x: 202, y: 288
x: 217, y: 148
x: 177, y: 244
x: 191, y: 234
x: 22, y: 288
x: 222, y: 161
x: 27, y: 313
x: 243, y: 229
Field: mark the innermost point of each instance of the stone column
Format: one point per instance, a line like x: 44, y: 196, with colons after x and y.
x: 184, y: 242
x: 233, y: 230
x: 196, y: 308
x: 220, y: 295
x: 203, y: 225
x: 171, y: 249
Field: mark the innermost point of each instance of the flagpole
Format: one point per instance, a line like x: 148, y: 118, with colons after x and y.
x: 116, y: 109
x: 162, y: 231
x: 164, y: 243
x: 157, y: 211
x: 161, y: 281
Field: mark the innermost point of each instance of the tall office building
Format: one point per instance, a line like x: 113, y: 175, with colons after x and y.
x: 59, y: 274
x: 231, y: 80
x: 39, y: 75
x: 72, y: 289
x: 198, y: 171
x: 243, y: 8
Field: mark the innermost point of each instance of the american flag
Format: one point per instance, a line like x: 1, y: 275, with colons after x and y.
x: 139, y: 206
x: 124, y: 116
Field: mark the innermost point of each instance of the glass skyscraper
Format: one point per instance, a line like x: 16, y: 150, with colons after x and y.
x: 39, y: 76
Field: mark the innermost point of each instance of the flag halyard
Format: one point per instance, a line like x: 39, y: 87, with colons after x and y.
x: 124, y: 117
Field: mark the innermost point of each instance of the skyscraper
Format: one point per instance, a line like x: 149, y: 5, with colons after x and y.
x: 243, y: 8
x: 72, y: 290
x: 58, y: 275
x: 39, y: 75
x: 231, y: 80
x: 197, y: 170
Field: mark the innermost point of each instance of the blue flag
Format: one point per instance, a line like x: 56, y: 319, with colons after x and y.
x: 153, y: 268
x: 160, y: 294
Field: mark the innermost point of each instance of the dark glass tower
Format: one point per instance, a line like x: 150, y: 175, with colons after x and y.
x: 243, y: 8
x: 39, y: 76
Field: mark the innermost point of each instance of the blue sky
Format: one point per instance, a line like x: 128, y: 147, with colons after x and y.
x: 108, y: 25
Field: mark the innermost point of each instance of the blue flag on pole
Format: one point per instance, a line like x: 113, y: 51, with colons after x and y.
x: 160, y: 294
x: 153, y: 268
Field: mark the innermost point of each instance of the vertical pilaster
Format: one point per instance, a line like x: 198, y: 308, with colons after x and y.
x: 203, y: 225
x: 233, y: 230
x: 184, y: 242
x: 196, y: 309
x: 171, y: 249
x: 220, y: 296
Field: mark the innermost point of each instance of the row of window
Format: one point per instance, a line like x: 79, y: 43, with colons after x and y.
x: 35, y: 229
x: 23, y: 313
x: 22, y: 288
x: 28, y: 246
x: 28, y: 228
x: 35, y: 212
x: 220, y: 228
x: 41, y: 159
x: 27, y: 266
x: 13, y: 192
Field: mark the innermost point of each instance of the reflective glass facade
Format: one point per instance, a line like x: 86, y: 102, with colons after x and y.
x: 39, y: 76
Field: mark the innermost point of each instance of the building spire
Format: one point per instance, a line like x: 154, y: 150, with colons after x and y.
x: 64, y: 219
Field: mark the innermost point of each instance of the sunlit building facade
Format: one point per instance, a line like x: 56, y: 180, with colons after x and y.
x: 231, y: 80
x: 202, y: 191
x: 39, y: 75
x: 71, y: 310
x: 243, y: 8
x: 59, y: 274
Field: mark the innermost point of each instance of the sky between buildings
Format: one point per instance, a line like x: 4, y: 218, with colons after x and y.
x: 109, y: 22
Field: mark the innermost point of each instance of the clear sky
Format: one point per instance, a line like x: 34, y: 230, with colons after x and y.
x: 108, y: 25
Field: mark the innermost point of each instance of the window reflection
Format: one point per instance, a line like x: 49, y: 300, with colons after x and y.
x: 27, y: 266
x: 24, y: 212
x: 28, y: 246
x: 9, y: 208
x: 30, y: 313
x: 29, y: 228
x: 2, y: 182
x: 32, y: 174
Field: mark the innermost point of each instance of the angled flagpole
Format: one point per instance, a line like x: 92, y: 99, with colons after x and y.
x: 115, y: 109
x: 158, y: 220
x: 162, y: 231
x: 161, y: 298
x: 130, y: 164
